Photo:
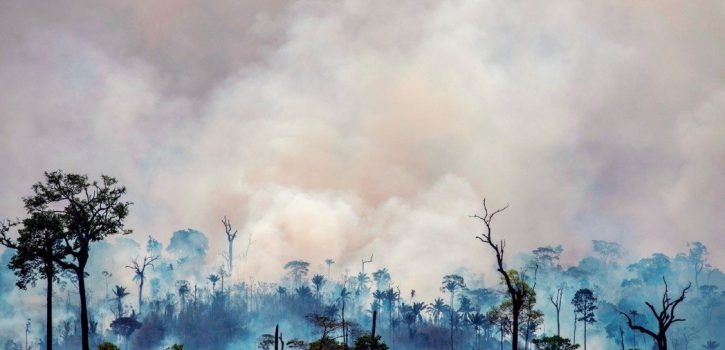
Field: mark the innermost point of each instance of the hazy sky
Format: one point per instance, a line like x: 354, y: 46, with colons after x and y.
x: 344, y: 128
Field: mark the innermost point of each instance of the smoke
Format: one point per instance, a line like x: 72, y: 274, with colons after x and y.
x: 340, y: 130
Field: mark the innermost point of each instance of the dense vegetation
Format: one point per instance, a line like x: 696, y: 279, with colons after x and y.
x: 601, y: 301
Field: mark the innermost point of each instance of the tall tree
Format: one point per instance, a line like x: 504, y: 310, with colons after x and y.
x: 696, y: 256
x: 318, y: 281
x: 477, y: 321
x: 585, y: 303
x: 213, y: 279
x: 665, y: 317
x: 37, y: 247
x: 231, y: 236
x: 382, y: 279
x: 329, y: 263
x: 450, y: 284
x: 556, y: 300
x: 139, y: 276
x: 119, y: 292
x: 609, y: 252
x: 548, y: 257
x: 516, y: 292
x: 297, y: 269
x: 89, y: 211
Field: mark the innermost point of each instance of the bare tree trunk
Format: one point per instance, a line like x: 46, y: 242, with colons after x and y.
x: 140, y: 294
x: 231, y: 257
x: 452, y: 311
x: 515, y: 327
x: 49, y: 307
x: 276, y: 337
x: 84, y: 310
x: 574, y: 337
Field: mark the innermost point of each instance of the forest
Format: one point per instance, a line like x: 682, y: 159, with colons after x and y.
x: 57, y: 253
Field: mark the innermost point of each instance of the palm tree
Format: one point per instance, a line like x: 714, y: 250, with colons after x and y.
x: 477, y: 320
x: 183, y: 288
x: 344, y: 295
x: 329, y: 263
x: 120, y: 293
x: 382, y: 278
x: 415, y: 311
x: 362, y: 282
x: 213, y: 279
x: 389, y: 297
x: 711, y: 345
x: 318, y: 281
x: 450, y: 284
x: 281, y: 291
x: 438, y: 307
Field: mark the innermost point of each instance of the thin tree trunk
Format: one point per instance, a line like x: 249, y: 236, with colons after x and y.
x: 84, y: 310
x: 558, y: 323
x: 452, y: 311
x: 501, y: 347
x: 585, y: 334
x: 574, y: 337
x: 140, y: 294
x: 49, y: 308
x: 515, y: 327
x: 230, y: 256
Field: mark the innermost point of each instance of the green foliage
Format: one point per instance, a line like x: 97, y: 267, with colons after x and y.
x: 296, y: 344
x: 265, y: 341
x: 326, y: 343
x: 39, y: 243
x: 107, y: 346
x: 366, y: 342
x: 175, y: 347
x: 554, y: 343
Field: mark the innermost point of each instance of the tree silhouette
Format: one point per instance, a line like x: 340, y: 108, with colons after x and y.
x: 297, y: 269
x: 450, y: 284
x: 231, y: 236
x: 89, y: 211
x: 119, y: 292
x: 437, y: 308
x: 585, y: 303
x: 665, y: 317
x: 477, y: 321
x: 711, y: 345
x: 556, y: 300
x: 382, y: 278
x: 37, y: 247
x: 318, y: 281
x: 517, y: 293
x: 548, y: 257
x: 608, y: 251
x: 139, y: 270
x: 213, y: 279
x: 329, y: 263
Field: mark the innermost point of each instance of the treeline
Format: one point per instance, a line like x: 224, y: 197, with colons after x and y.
x: 657, y: 302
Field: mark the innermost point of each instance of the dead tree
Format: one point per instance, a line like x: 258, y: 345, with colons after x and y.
x: 231, y: 236
x: 556, y: 300
x: 665, y: 318
x: 366, y: 262
x: 516, y: 291
x: 140, y: 274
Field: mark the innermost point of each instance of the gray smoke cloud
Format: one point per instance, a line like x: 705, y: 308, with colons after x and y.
x: 344, y: 129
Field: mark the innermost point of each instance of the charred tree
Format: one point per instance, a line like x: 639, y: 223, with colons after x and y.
x: 665, y: 317
x: 517, y: 293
